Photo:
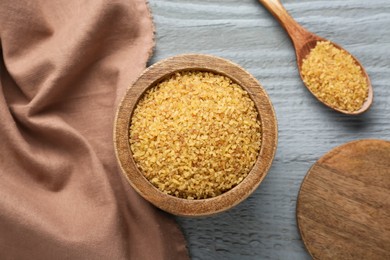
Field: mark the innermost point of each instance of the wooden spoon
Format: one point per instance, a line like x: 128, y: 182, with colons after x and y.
x: 304, y: 41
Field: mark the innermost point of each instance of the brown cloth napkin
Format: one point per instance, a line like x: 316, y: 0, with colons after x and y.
x: 65, y: 65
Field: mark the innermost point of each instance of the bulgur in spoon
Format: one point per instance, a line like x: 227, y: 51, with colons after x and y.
x: 331, y: 74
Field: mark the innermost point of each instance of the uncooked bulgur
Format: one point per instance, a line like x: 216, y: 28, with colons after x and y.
x: 195, y: 135
x: 334, y: 77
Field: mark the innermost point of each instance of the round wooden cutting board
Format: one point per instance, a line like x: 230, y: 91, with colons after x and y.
x: 343, y: 208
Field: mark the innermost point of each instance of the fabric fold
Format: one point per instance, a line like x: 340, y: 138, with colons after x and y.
x: 65, y: 65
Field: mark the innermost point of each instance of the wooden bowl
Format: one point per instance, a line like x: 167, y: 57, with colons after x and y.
x: 157, y: 73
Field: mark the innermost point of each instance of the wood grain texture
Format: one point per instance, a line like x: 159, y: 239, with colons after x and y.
x: 343, y: 208
x: 149, y: 79
x: 264, y: 225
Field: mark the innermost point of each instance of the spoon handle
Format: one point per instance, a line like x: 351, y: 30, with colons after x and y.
x: 297, y: 33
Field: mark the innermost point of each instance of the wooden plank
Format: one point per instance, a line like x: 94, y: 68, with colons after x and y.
x: 264, y: 226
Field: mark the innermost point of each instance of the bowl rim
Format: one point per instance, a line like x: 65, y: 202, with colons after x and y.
x: 195, y: 62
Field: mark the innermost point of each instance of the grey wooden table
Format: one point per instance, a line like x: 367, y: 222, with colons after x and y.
x: 264, y: 225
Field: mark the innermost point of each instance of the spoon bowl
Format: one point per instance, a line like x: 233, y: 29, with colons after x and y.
x: 304, y: 41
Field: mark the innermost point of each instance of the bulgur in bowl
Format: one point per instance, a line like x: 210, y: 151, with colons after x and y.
x: 195, y: 134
